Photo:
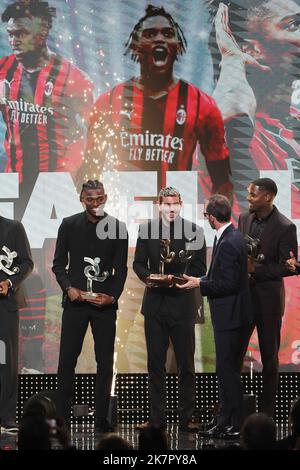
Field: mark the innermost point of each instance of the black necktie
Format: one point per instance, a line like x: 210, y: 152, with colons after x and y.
x: 214, y: 246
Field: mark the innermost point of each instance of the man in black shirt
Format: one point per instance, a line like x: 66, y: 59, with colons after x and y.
x: 278, y: 238
x: 15, y: 265
x: 91, y: 253
x: 170, y: 313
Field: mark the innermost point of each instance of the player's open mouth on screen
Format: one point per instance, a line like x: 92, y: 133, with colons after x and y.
x: 160, y: 55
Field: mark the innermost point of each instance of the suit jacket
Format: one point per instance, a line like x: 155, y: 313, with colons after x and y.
x: 77, y: 238
x: 146, y: 261
x: 278, y: 239
x: 13, y: 236
x: 226, y: 283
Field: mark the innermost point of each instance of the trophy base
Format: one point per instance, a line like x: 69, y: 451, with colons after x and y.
x: 159, y: 280
x: 89, y: 295
x: 179, y: 280
x: 163, y: 280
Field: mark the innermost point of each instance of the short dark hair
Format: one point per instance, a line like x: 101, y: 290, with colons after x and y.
x: 114, y: 442
x: 259, y: 432
x: 266, y: 184
x: 34, y: 433
x: 29, y: 8
x: 91, y: 184
x: 151, y: 11
x: 219, y: 206
x: 153, y: 438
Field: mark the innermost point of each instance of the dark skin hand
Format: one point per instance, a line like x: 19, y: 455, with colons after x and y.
x: 101, y: 299
x: 292, y: 263
x: 75, y: 295
x: 251, y: 266
x: 4, y: 286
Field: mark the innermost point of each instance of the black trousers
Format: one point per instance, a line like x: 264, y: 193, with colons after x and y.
x: 9, y: 339
x: 230, y: 349
x: 75, y: 322
x: 268, y: 327
x: 159, y: 328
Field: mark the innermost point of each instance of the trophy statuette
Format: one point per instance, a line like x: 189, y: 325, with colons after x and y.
x: 165, y: 280
x: 185, y: 257
x: 6, y: 262
x: 92, y: 274
x: 161, y: 279
x: 252, y: 245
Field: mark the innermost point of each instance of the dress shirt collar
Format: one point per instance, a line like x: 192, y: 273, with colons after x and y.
x: 263, y: 219
x: 220, y: 231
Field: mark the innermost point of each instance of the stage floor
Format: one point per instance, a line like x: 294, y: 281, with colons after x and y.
x: 83, y: 437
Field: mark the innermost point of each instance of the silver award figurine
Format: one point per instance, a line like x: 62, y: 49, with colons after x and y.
x: 92, y: 274
x: 161, y: 279
x: 8, y: 260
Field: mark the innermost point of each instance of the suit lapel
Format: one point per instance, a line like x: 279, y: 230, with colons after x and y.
x: 4, y: 228
x: 154, y: 240
x: 248, y: 223
x: 213, y: 260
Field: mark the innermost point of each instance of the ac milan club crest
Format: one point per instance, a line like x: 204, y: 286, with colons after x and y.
x: 181, y: 115
x: 48, y: 88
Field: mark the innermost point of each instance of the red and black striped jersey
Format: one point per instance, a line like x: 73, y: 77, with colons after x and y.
x: 274, y: 147
x: 43, y: 113
x: 156, y: 134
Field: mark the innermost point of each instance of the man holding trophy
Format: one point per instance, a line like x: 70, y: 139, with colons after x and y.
x: 167, y: 248
x: 15, y: 265
x: 277, y: 239
x: 90, y: 265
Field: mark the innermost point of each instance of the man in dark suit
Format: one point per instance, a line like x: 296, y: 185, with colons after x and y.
x: 278, y: 238
x: 15, y: 265
x: 91, y: 252
x: 226, y: 286
x: 169, y: 312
